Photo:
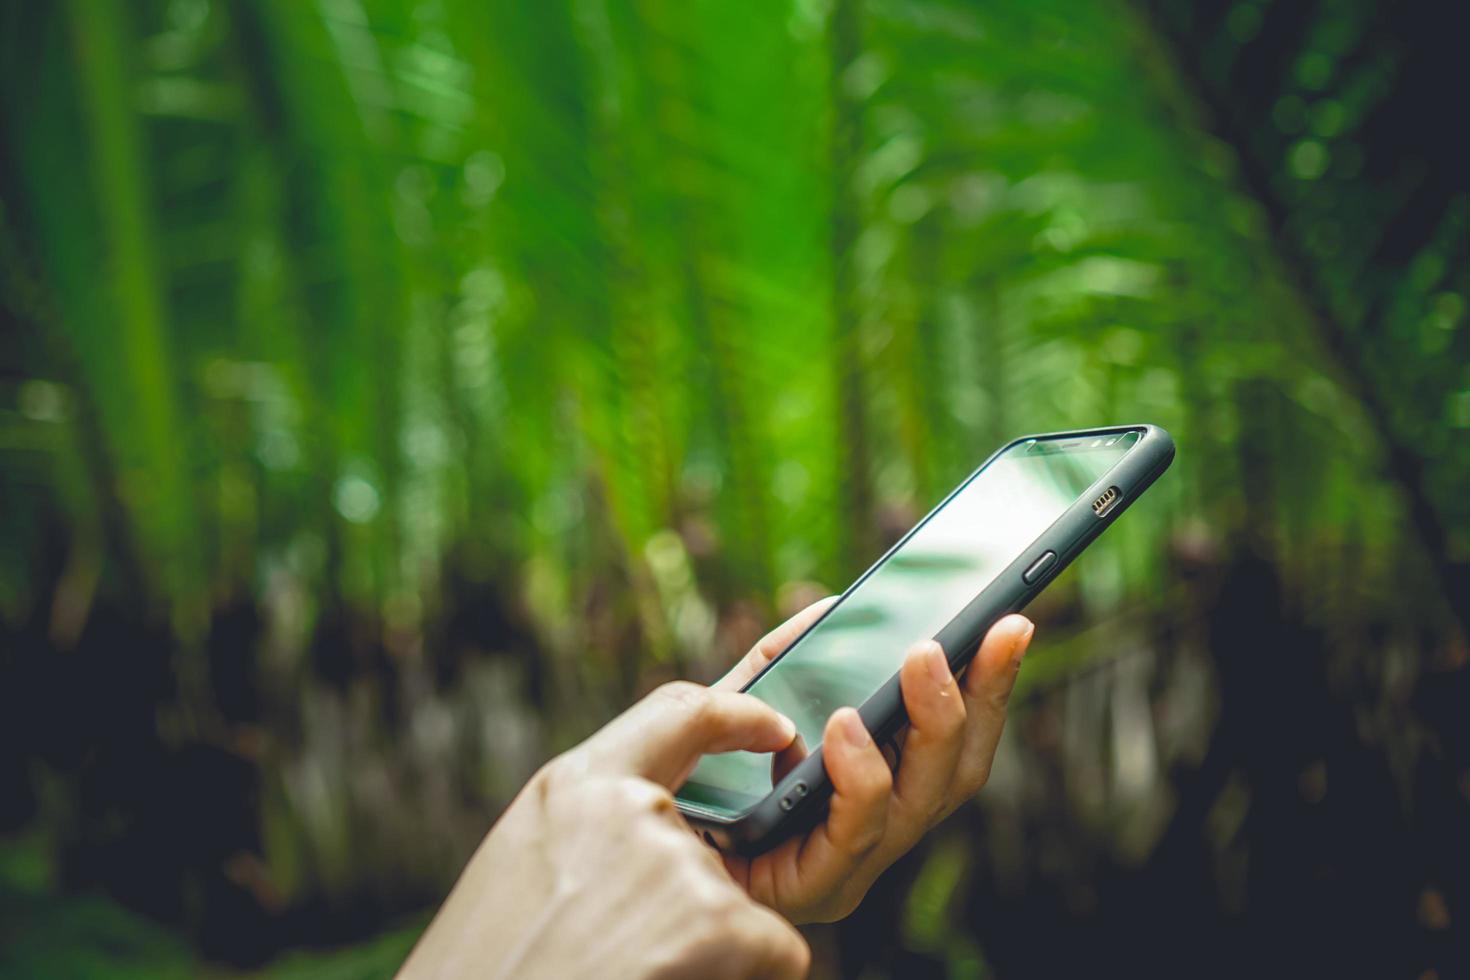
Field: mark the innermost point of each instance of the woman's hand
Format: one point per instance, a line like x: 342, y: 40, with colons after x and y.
x: 591, y: 872
x: 876, y: 813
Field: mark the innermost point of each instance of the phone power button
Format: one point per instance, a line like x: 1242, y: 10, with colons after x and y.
x: 1039, y: 567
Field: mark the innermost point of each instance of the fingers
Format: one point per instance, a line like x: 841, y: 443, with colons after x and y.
x: 931, y: 750
x: 773, y: 644
x: 736, y: 936
x: 986, y: 690
x: 773, y: 946
x: 728, y: 933
x: 662, y: 737
x: 861, y: 784
x: 788, y: 759
x: 858, y: 812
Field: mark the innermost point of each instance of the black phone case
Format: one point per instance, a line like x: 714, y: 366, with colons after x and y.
x: 799, y: 800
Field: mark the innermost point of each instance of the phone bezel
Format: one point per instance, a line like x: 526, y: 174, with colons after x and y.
x: 784, y: 811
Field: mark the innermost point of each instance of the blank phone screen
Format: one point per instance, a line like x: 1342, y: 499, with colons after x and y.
x: 915, y: 592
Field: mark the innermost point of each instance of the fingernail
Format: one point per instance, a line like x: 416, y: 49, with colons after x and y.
x: 854, y: 730
x: 788, y: 728
x: 937, y: 665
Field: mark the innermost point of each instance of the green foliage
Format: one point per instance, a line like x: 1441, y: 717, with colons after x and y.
x: 87, y: 939
x: 380, y: 957
x: 42, y: 935
x: 628, y: 321
x: 393, y: 282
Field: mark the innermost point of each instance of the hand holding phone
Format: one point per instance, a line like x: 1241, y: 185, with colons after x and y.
x: 591, y: 872
x: 876, y: 817
x: 985, y: 551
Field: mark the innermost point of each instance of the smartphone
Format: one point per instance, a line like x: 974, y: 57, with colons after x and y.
x: 985, y: 551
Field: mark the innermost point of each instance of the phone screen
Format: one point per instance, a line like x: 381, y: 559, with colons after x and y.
x: 945, y: 563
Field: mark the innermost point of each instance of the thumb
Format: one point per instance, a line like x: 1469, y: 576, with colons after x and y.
x: 773, y: 644
x: 662, y: 737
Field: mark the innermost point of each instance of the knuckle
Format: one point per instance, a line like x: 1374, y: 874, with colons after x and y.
x: 681, y: 691
x: 879, y: 782
x: 945, y: 728
x: 952, y: 721
x: 690, y: 698
x: 864, y: 843
x: 976, y: 779
x: 964, y: 792
x: 841, y: 906
x: 936, y: 810
x: 640, y: 794
x: 719, y: 904
x: 552, y: 777
x: 864, y: 839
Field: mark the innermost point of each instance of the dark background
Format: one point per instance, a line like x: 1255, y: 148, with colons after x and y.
x: 391, y: 391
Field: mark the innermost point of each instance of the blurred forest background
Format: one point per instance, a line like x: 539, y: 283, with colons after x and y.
x: 391, y: 390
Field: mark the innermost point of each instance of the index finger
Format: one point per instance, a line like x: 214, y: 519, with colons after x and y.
x: 662, y: 737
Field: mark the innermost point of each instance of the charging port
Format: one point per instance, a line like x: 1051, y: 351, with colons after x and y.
x: 1105, y: 503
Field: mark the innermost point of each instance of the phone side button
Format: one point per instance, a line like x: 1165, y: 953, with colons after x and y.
x: 1038, y: 567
